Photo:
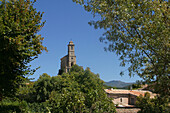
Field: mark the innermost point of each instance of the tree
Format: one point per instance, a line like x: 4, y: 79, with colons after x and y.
x: 80, y: 91
x: 151, y: 105
x: 42, y: 88
x: 19, y: 42
x: 136, y: 85
x: 76, y: 68
x: 60, y: 71
x: 138, y: 31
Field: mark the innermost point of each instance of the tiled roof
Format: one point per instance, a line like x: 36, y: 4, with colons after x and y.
x: 63, y: 57
x: 132, y: 92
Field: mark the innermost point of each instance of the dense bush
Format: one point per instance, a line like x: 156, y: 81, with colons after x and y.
x: 152, y: 105
x: 9, y: 105
x: 79, y: 91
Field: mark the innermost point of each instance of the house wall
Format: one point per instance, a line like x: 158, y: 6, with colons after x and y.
x: 119, y: 98
x: 123, y: 99
x: 127, y: 110
x: 64, y: 63
x: 132, y: 102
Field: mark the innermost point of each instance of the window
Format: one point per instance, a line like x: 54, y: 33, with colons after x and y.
x: 120, y: 99
x: 132, y: 101
x: 71, y: 47
x: 72, y: 63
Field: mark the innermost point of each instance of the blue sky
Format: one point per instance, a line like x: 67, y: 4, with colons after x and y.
x: 66, y: 21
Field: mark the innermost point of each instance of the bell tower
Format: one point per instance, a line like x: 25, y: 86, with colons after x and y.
x: 69, y: 60
x: 71, y: 55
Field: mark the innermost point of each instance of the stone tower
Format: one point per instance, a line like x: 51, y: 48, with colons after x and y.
x: 70, y: 59
x: 71, y: 55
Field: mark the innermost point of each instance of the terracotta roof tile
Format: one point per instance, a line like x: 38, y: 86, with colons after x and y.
x: 132, y: 92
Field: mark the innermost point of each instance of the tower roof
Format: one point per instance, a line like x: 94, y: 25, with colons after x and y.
x: 71, y: 43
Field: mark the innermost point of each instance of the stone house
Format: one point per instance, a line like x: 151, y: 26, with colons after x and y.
x: 126, y: 98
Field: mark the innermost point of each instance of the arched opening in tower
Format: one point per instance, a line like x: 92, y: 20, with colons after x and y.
x: 72, y: 63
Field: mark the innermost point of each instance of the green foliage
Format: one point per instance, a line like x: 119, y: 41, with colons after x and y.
x: 80, y: 91
x: 38, y: 107
x: 60, y: 72
x: 136, y: 85
x: 42, y: 88
x: 76, y: 68
x: 19, y: 42
x: 151, y: 105
x: 67, y: 101
x: 24, y: 92
x: 8, y: 105
x: 138, y: 31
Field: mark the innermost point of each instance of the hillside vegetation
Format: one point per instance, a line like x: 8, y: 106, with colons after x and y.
x: 117, y: 84
x: 79, y: 91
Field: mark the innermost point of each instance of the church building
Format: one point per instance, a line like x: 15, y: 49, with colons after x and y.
x: 69, y: 60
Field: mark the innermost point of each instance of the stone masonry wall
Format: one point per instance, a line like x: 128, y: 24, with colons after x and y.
x: 127, y: 110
